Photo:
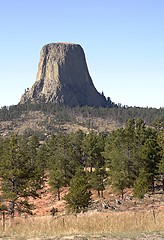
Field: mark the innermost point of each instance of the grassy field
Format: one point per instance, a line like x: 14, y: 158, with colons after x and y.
x: 116, y: 224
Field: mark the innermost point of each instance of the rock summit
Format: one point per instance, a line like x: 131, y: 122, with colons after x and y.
x: 63, y: 78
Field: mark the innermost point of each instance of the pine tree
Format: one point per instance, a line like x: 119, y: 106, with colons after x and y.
x: 97, y: 180
x: 57, y: 180
x: 151, y: 156
x: 119, y: 160
x: 123, y: 154
x: 161, y: 163
x: 141, y: 184
x: 20, y: 175
x: 79, y: 196
x: 92, y: 147
x: 64, y: 158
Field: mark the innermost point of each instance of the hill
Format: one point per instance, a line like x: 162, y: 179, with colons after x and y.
x: 132, y: 148
x: 48, y: 118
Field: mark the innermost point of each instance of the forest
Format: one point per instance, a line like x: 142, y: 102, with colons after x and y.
x: 132, y: 156
x: 116, y: 112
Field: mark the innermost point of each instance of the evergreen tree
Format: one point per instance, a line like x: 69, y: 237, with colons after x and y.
x: 118, y: 153
x: 151, y: 156
x: 1, y: 148
x: 20, y: 176
x: 56, y: 180
x: 97, y: 180
x: 124, y: 154
x: 160, y: 140
x: 141, y: 184
x: 79, y: 196
x: 92, y: 147
x: 64, y: 157
x: 75, y: 144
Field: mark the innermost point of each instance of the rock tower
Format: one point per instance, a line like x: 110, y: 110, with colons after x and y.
x: 63, y: 78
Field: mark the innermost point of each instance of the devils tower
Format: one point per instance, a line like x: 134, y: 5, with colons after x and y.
x: 63, y: 78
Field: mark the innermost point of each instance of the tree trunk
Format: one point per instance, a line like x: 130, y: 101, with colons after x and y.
x: 98, y: 193
x: 102, y: 194
x: 91, y: 168
x: 12, y: 209
x: 152, y: 184
x: 122, y: 194
x: 58, y: 194
x: 3, y: 220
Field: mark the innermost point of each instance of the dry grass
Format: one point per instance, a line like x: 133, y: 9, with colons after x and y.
x: 100, y: 223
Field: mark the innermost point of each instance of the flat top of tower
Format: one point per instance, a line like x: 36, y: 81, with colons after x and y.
x: 63, y: 43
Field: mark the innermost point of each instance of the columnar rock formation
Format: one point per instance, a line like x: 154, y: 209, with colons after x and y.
x: 63, y: 78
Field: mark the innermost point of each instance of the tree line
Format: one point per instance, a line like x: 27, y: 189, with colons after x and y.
x: 131, y: 156
x: 63, y: 114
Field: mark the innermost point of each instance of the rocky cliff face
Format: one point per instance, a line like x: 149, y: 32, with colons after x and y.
x: 63, y: 78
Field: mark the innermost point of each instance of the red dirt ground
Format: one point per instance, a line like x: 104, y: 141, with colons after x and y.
x: 109, y: 202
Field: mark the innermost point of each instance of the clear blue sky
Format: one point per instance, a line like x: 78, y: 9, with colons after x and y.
x: 123, y: 42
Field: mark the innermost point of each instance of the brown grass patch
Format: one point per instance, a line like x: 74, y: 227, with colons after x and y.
x: 127, y: 223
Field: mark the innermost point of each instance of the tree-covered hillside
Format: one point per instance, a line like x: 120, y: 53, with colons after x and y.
x: 49, y: 118
x: 117, y: 112
x: 130, y: 157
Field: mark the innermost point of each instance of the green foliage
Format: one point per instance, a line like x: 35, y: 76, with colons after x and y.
x: 56, y: 179
x: 160, y: 139
x: 119, y: 181
x: 64, y: 114
x: 3, y: 208
x: 97, y: 179
x: 92, y: 147
x: 120, y: 156
x: 133, y: 156
x: 141, y: 184
x: 21, y: 175
x: 79, y: 196
x: 130, y: 149
x: 151, y: 155
x: 64, y: 154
